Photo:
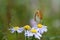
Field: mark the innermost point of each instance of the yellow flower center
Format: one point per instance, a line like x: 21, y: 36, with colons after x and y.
x: 33, y: 30
x: 16, y: 28
x: 27, y: 27
x: 39, y: 25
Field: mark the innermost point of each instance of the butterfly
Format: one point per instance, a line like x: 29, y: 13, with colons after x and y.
x: 38, y: 14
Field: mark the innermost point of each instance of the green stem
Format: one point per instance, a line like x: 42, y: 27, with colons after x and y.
x: 26, y: 38
x: 33, y: 38
x: 16, y: 35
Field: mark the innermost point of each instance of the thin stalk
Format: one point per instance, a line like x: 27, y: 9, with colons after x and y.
x: 16, y: 35
x: 26, y: 38
x: 33, y: 38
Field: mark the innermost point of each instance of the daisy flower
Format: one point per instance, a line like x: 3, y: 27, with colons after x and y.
x: 26, y: 27
x: 33, y: 32
x: 16, y: 29
x: 41, y: 28
x: 33, y: 23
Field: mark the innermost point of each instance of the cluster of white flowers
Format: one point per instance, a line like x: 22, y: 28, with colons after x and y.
x: 35, y: 30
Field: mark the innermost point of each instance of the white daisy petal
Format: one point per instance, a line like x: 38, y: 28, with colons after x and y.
x: 28, y: 33
x: 42, y: 31
x: 36, y: 36
x: 39, y: 34
x: 44, y: 28
x: 12, y: 30
x: 39, y: 30
x: 20, y: 30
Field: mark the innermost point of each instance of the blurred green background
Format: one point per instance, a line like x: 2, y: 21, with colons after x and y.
x: 20, y: 12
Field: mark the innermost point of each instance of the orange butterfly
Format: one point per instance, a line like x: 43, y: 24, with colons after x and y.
x: 39, y: 14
